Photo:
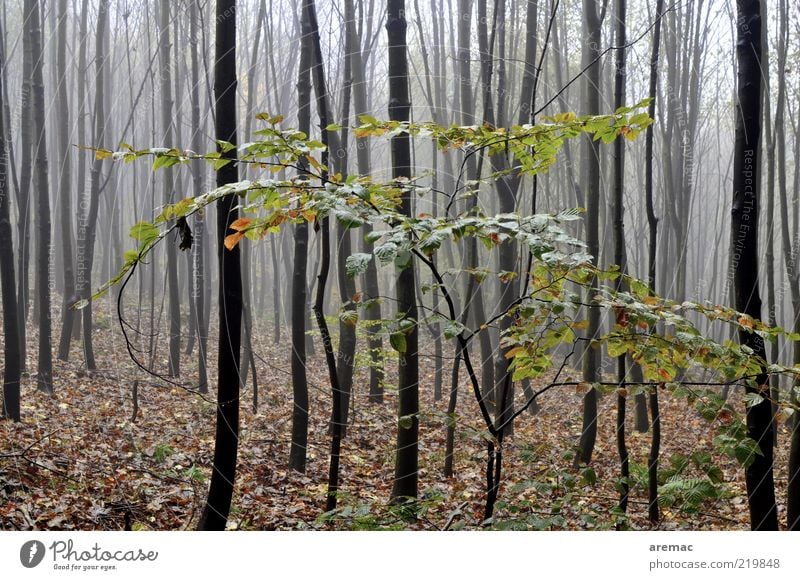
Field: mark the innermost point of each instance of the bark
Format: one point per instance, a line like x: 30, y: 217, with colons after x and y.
x: 323, y: 108
x: 744, y: 224
x: 198, y: 248
x: 217, y: 508
x: 64, y: 187
x: 298, y: 451
x: 44, y: 378
x: 652, y: 223
x: 11, y: 347
x: 87, y: 223
x: 371, y: 288
x: 407, y: 460
x: 168, y: 174
x: 591, y: 179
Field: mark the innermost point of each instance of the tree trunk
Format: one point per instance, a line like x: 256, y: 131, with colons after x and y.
x: 652, y: 223
x: 87, y: 224
x: 198, y: 250
x: 41, y: 184
x: 744, y: 224
x: 167, y: 121
x: 11, y: 345
x: 64, y: 187
x: 406, y: 462
x: 218, y: 504
x: 591, y: 178
x: 298, y: 452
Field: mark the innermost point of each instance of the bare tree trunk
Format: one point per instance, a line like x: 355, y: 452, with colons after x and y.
x: 744, y: 224
x: 220, y: 493
x: 174, y: 313
x: 591, y: 178
x: 11, y: 346
x: 406, y: 463
x: 298, y: 451
x: 64, y: 187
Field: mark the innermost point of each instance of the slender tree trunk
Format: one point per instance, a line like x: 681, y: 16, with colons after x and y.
x: 174, y: 313
x: 11, y: 345
x: 345, y: 358
x: 652, y: 223
x: 198, y: 249
x: 64, y: 187
x: 220, y: 493
x: 406, y: 462
x: 87, y: 223
x: 744, y: 224
x: 371, y: 288
x: 591, y: 179
x: 298, y: 451
x: 41, y: 185
x: 620, y: 255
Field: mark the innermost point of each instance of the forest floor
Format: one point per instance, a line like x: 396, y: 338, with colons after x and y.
x: 78, y: 461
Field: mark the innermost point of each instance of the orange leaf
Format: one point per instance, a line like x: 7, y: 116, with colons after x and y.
x: 240, y: 224
x: 233, y: 239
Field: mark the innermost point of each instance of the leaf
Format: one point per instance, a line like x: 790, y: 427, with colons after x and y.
x: 356, y: 264
x: 753, y: 399
x: 233, y: 239
x: 349, y: 317
x: 398, y: 341
x: 240, y: 224
x: 406, y: 421
x: 144, y: 232
x: 185, y: 233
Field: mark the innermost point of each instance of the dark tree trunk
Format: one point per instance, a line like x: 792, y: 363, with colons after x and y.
x: 371, y: 288
x: 620, y: 255
x: 652, y: 223
x: 591, y: 178
x: 337, y: 395
x: 298, y: 452
x: 44, y: 375
x: 167, y: 121
x: 218, y: 504
x: 87, y: 223
x: 64, y: 187
x: 11, y: 345
x: 406, y: 462
x: 744, y: 224
x: 198, y: 253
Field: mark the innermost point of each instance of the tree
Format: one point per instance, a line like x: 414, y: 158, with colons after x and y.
x: 652, y: 223
x: 64, y: 185
x: 198, y: 250
x: 11, y: 345
x: 44, y: 375
x: 87, y: 221
x: 169, y: 186
x: 406, y: 461
x: 298, y: 451
x: 591, y: 178
x: 226, y: 442
x: 744, y: 224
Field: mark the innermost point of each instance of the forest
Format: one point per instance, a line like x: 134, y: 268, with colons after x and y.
x: 400, y: 264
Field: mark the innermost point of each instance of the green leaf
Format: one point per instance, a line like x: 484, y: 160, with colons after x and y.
x: 753, y: 399
x: 406, y: 421
x: 144, y: 232
x: 357, y: 264
x: 398, y: 341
